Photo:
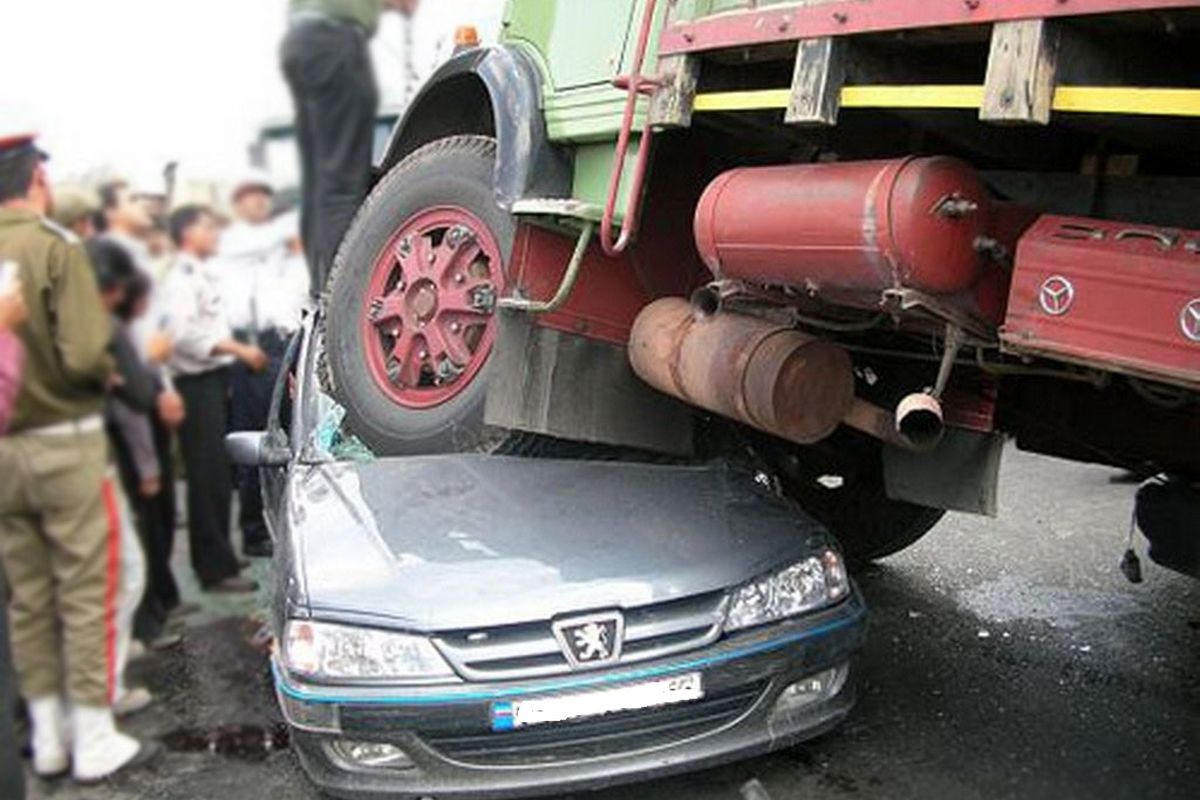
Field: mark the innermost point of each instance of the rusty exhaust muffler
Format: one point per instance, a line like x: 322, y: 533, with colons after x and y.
x: 768, y: 376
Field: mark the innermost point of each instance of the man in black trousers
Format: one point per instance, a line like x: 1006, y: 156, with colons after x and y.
x: 204, y: 349
x: 327, y: 63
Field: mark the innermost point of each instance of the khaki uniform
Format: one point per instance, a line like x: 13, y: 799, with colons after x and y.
x: 59, y: 525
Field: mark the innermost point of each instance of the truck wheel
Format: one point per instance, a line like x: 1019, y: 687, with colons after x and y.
x: 412, y: 301
x: 871, y: 526
x: 840, y: 482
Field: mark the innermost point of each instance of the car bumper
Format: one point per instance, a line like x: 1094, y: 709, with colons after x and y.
x: 453, y: 751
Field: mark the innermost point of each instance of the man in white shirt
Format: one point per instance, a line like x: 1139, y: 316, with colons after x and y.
x: 265, y: 280
x: 204, y: 349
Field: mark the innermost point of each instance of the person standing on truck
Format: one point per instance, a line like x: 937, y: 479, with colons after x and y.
x: 327, y: 64
x: 203, y: 352
x: 59, y: 540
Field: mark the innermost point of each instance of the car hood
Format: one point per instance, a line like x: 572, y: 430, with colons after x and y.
x: 452, y: 542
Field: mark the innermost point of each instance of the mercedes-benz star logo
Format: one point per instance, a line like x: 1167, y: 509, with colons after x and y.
x: 591, y: 641
x: 1189, y: 320
x: 1057, y: 296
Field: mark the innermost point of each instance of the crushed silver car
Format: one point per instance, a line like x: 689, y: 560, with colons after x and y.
x: 479, y: 625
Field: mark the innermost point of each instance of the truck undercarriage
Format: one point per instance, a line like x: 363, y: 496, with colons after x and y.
x: 858, y: 244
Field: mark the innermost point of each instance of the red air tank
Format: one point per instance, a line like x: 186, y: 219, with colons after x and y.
x: 849, y: 230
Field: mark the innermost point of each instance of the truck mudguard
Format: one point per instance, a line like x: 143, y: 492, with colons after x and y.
x: 493, y: 91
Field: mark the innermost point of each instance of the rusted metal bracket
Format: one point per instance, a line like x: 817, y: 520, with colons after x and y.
x: 636, y: 85
x: 955, y: 338
x: 570, y: 277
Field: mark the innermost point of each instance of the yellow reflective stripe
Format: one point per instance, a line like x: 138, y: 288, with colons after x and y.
x: 743, y: 101
x: 1070, y: 99
x: 1121, y: 100
x: 912, y: 97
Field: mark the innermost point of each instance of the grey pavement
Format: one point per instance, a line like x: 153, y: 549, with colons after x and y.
x: 1007, y: 658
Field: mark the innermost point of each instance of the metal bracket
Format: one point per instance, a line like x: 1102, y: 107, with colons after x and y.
x: 955, y: 338
x: 570, y: 277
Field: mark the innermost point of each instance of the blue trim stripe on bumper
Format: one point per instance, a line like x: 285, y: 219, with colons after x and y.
x: 581, y: 682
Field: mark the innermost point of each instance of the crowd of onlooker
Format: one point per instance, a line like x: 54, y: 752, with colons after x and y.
x: 178, y: 329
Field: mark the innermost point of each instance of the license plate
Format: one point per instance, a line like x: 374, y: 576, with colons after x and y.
x: 582, y: 705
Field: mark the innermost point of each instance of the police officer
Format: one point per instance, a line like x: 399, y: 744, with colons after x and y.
x: 58, y: 526
x: 266, y: 288
x: 327, y: 63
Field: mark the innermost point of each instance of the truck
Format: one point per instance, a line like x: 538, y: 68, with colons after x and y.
x: 856, y: 245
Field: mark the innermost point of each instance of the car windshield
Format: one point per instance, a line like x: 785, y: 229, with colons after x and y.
x: 325, y: 429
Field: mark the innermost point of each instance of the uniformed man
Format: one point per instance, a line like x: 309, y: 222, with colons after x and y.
x: 205, y: 349
x: 266, y: 288
x: 59, y: 540
x: 327, y: 63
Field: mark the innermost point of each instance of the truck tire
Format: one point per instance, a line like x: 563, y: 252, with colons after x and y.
x: 411, y: 314
x: 840, y: 483
x: 871, y: 526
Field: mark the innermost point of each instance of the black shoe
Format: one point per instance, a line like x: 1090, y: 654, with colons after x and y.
x: 259, y: 550
x: 234, y: 585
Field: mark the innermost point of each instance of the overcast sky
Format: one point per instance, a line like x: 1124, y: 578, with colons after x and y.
x: 132, y: 84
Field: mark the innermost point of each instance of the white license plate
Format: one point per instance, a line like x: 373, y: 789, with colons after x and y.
x: 509, y: 716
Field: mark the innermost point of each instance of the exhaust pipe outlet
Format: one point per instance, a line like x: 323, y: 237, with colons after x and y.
x: 764, y: 375
x: 920, y: 421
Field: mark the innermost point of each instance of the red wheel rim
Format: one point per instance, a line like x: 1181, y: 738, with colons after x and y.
x: 428, y: 323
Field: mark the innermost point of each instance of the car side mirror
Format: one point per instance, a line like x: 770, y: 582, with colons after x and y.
x: 255, y: 449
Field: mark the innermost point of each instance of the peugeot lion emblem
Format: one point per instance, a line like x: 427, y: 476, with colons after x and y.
x: 1057, y: 296
x: 593, y: 640
x: 1189, y: 320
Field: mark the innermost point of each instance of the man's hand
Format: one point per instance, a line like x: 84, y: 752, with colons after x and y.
x: 171, y: 409
x: 159, y: 347
x: 150, y: 487
x: 12, y: 307
x: 254, y: 358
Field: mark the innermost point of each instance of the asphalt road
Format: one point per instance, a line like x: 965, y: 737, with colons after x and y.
x: 1007, y: 658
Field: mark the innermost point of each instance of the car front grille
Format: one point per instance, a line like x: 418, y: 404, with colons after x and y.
x: 531, y: 651
x: 612, y: 735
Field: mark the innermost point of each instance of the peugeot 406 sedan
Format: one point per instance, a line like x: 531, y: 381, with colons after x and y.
x: 488, y: 626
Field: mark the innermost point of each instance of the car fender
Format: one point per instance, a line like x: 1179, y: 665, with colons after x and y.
x: 490, y: 91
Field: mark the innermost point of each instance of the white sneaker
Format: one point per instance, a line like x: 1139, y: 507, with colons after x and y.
x: 48, y: 720
x: 132, y: 701
x: 100, y: 749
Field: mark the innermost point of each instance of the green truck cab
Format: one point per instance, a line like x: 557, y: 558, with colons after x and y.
x: 855, y: 244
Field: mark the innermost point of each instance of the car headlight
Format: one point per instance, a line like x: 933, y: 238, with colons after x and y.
x: 323, y: 651
x: 812, y: 584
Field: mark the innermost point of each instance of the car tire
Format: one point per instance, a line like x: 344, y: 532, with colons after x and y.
x: 403, y: 395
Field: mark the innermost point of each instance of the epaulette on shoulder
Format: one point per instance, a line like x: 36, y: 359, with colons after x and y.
x: 59, y: 231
